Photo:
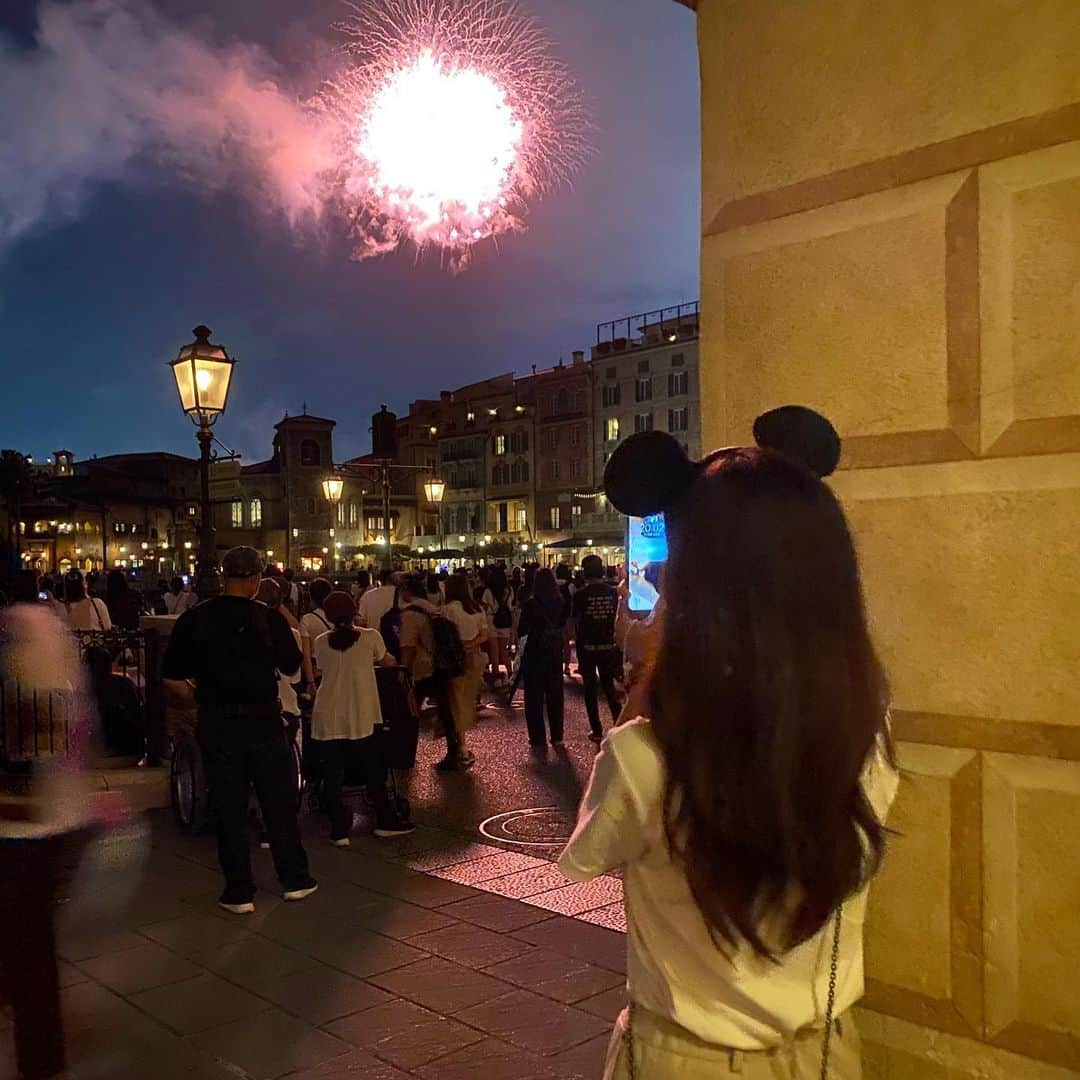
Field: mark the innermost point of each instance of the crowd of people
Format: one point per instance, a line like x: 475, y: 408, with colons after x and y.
x: 742, y: 789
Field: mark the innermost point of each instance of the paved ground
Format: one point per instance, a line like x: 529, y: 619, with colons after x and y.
x: 432, y: 956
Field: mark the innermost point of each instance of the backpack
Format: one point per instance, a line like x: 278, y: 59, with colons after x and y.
x: 503, y: 619
x: 390, y: 628
x: 447, y: 653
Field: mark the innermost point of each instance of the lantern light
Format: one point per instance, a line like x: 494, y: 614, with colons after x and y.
x: 203, y: 372
x: 331, y: 488
x: 434, y: 489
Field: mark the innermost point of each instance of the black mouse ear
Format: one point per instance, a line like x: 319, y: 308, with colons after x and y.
x: 647, y: 474
x: 801, y: 435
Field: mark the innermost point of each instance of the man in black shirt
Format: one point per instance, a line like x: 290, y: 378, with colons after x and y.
x: 233, y: 648
x: 595, y: 607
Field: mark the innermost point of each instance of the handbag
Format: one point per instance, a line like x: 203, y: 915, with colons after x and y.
x: 834, y: 963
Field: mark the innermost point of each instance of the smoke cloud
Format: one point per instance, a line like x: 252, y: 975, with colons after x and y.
x: 112, y: 84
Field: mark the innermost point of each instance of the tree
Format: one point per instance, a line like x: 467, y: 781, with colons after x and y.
x: 16, y: 487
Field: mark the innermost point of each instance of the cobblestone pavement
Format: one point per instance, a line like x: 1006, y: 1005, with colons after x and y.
x: 441, y: 955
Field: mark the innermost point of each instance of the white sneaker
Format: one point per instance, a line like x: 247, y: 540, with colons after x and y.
x: 238, y: 909
x: 299, y: 894
x: 343, y: 842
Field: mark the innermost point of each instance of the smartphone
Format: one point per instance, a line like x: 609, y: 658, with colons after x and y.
x: 646, y: 553
x: 43, y: 596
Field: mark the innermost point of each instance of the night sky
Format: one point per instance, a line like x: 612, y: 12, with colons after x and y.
x: 95, y: 300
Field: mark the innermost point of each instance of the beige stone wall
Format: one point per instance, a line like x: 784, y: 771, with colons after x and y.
x: 891, y: 233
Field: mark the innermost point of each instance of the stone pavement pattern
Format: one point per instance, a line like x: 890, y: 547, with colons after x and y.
x: 417, y: 957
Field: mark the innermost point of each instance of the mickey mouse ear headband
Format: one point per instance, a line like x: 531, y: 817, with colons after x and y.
x: 651, y: 472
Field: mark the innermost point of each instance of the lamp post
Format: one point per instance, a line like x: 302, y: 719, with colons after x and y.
x: 203, y: 372
x: 332, y: 488
x: 434, y: 490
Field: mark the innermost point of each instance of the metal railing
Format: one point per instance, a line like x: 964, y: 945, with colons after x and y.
x: 118, y: 692
x: 631, y: 326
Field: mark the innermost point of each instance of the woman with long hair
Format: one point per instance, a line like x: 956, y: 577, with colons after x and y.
x: 346, y: 714
x: 465, y: 688
x: 497, y: 602
x: 81, y: 611
x: 542, y: 620
x: 747, y: 801
x: 123, y: 602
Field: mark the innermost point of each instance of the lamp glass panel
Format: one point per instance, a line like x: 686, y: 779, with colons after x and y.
x: 185, y: 384
x: 332, y: 487
x: 211, y: 384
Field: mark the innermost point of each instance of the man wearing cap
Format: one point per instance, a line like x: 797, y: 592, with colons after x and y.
x: 234, y: 649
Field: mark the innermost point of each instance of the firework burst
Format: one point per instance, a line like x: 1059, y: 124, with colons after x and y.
x: 452, y: 117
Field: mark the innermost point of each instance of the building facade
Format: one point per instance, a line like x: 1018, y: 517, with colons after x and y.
x: 891, y: 234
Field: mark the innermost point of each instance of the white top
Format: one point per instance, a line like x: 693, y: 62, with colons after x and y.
x: 178, y: 603
x: 374, y: 604
x: 89, y: 613
x: 313, y: 624
x: 491, y: 606
x: 469, y: 626
x: 347, y: 701
x: 675, y: 969
x: 285, y: 690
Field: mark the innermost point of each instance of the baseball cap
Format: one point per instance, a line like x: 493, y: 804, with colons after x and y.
x: 241, y: 562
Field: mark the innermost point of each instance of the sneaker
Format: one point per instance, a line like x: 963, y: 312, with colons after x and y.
x: 596, y: 736
x: 467, y: 760
x: 395, y: 827
x: 264, y: 842
x: 341, y: 841
x: 237, y: 907
x: 298, y: 893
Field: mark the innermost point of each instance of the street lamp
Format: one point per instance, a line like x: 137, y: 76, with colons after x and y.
x: 434, y: 489
x: 332, y: 487
x: 203, y: 373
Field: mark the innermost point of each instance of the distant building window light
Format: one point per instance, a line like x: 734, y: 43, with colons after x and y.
x: 256, y: 513
x: 237, y: 514
x: 611, y: 429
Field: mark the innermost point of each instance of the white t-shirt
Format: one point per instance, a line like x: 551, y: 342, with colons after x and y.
x: 313, y: 624
x: 286, y: 692
x: 469, y: 626
x: 675, y: 969
x: 178, y: 603
x: 89, y: 613
x: 347, y: 702
x: 374, y: 604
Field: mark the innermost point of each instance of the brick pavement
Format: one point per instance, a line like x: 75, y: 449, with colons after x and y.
x: 427, y: 956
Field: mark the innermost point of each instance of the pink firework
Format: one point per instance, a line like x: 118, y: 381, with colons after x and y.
x: 452, y: 116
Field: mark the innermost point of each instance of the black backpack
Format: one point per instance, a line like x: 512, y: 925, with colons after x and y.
x: 390, y: 629
x: 503, y: 619
x: 447, y: 653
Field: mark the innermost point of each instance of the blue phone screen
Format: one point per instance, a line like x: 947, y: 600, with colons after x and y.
x: 646, y: 551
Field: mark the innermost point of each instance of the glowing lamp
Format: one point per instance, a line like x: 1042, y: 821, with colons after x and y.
x: 487, y: 537
x: 524, y: 547
x: 434, y: 489
x: 589, y: 542
x: 326, y: 551
x: 420, y: 551
x: 269, y: 554
x: 382, y: 540
x: 331, y: 489
x: 337, y: 544
x: 203, y: 372
x: 187, y: 545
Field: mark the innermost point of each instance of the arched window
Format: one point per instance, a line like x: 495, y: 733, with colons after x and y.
x: 236, y: 516
x: 309, y: 453
x: 256, y: 513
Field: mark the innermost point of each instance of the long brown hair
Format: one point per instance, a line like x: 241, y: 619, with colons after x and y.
x: 457, y: 588
x: 766, y: 698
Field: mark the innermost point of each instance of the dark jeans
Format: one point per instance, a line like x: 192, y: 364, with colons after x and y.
x: 435, y: 687
x: 542, y: 674
x: 333, y: 753
x: 598, y: 669
x: 232, y: 768
x: 30, y: 871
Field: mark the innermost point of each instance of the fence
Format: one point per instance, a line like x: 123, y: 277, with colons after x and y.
x: 118, y: 692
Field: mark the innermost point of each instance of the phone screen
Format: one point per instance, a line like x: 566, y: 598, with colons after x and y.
x: 646, y: 552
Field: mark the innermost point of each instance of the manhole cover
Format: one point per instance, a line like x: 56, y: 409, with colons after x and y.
x: 540, y: 825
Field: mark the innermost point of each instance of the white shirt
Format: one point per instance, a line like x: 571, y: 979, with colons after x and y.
x: 374, y: 604
x: 347, y: 702
x: 90, y: 613
x: 285, y: 690
x: 178, y: 603
x: 675, y: 969
x: 313, y: 624
x: 469, y: 626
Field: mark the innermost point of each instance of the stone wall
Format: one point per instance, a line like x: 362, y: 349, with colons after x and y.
x: 891, y: 233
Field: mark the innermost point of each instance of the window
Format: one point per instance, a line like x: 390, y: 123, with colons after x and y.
x: 575, y: 512
x: 519, y: 472
x: 311, y: 507
x: 562, y: 401
x: 643, y: 422
x: 341, y: 513
x: 575, y: 436
x: 611, y: 429
x: 609, y: 373
x: 678, y: 383
x: 575, y: 469
x: 642, y: 366
x: 677, y: 359
x: 519, y: 442
x: 256, y: 513
x: 553, y: 438
x: 553, y: 517
x: 237, y: 514
x: 309, y: 453
x: 611, y: 395
x: 678, y: 419
x: 553, y: 470
x: 192, y: 510
x: 498, y: 444
x: 643, y: 390
x: 354, y: 515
